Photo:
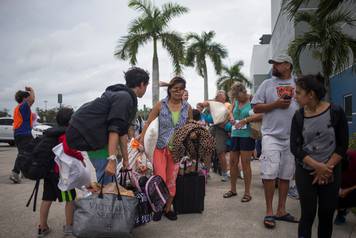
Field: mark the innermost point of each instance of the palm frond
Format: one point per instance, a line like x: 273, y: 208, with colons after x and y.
x: 171, y: 10
x: 208, y: 36
x: 192, y: 36
x: 174, y: 43
x: 128, y: 46
x: 297, y: 46
x: 141, y: 24
x: 291, y: 7
x: 216, y: 52
x: 142, y: 5
x: 341, y: 16
x: 304, y: 17
x: 200, y: 64
x: 325, y: 7
x: 220, y: 82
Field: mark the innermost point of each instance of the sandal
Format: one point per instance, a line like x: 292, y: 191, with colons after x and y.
x: 246, y: 198
x: 287, y: 218
x: 269, y: 222
x: 42, y: 232
x: 229, y: 194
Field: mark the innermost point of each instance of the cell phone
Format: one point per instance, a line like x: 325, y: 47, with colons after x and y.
x: 287, y: 97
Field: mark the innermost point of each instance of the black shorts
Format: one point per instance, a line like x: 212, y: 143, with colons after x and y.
x: 242, y: 144
x: 51, y: 192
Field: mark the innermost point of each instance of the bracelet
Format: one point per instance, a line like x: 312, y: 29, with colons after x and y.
x: 246, y: 120
x: 112, y: 157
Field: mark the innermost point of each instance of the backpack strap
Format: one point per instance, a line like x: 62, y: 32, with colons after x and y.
x: 34, y: 192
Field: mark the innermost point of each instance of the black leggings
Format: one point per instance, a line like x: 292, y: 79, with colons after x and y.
x: 23, y: 143
x: 313, y: 197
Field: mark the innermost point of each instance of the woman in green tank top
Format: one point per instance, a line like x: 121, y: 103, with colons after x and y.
x: 242, y: 143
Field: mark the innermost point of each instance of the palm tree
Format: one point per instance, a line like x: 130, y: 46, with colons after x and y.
x: 152, y: 25
x: 324, y: 8
x: 327, y: 42
x: 201, y: 47
x: 230, y: 75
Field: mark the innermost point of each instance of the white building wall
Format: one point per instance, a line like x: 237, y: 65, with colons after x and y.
x: 259, y: 68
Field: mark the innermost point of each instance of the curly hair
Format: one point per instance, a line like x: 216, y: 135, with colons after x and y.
x: 236, y: 89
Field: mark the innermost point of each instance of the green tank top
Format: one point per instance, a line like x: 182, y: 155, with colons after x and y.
x: 240, y: 114
x: 175, y: 119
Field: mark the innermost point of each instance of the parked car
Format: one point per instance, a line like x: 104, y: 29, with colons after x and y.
x: 6, y: 131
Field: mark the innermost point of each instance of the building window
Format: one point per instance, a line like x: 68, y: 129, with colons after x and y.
x: 348, y: 107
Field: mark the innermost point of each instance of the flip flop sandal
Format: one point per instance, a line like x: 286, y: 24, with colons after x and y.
x: 269, y: 222
x: 246, y: 198
x: 229, y: 194
x: 287, y: 218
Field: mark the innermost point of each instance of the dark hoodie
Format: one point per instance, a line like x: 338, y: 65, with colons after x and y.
x: 112, y: 112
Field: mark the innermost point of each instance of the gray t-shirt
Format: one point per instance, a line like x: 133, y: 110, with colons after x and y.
x: 319, y: 137
x: 277, y: 122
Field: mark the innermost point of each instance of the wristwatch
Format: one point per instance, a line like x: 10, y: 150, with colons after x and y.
x: 112, y: 157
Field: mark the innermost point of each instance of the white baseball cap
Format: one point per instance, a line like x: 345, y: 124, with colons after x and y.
x: 281, y: 59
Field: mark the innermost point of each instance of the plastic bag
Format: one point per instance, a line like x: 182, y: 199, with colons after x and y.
x: 72, y: 173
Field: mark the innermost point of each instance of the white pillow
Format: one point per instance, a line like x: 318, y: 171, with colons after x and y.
x: 218, y: 111
x: 150, y: 139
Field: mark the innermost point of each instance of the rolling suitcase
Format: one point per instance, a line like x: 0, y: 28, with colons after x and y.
x: 190, y: 192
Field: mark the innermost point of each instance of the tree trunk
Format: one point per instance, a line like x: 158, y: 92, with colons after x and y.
x: 206, y: 90
x: 155, y: 75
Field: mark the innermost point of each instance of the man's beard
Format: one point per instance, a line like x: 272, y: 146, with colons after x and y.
x: 276, y: 73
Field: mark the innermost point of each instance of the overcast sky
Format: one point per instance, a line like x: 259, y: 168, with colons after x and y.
x: 66, y: 46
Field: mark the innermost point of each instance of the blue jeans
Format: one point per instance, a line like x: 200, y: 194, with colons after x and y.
x: 100, y: 165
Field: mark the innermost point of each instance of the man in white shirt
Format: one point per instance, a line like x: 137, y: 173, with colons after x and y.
x: 275, y: 98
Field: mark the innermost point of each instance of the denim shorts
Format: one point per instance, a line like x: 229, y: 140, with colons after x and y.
x: 242, y: 144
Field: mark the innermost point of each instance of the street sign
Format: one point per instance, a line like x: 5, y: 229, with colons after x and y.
x: 60, y: 98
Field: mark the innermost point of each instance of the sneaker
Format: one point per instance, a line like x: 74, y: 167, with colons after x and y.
x: 15, y: 177
x: 171, y: 215
x: 224, y: 177
x: 157, y: 216
x: 68, y: 230
x: 43, y: 232
x: 340, y: 217
x: 241, y: 175
x: 293, y: 193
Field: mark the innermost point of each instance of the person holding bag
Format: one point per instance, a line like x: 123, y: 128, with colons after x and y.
x: 172, y: 113
x: 102, y: 124
x: 318, y: 140
x: 242, y: 143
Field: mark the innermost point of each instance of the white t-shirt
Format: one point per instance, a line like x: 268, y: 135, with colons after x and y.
x: 276, y: 123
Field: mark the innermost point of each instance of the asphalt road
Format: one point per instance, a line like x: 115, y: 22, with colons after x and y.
x: 223, y: 218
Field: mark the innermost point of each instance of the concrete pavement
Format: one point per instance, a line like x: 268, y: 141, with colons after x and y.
x: 223, y: 218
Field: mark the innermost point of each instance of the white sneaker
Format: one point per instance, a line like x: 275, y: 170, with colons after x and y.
x: 68, y: 230
x: 15, y: 177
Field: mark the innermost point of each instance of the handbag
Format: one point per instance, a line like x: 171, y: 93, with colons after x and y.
x: 105, y: 215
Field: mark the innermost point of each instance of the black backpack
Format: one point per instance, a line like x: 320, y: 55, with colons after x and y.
x: 38, y: 162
